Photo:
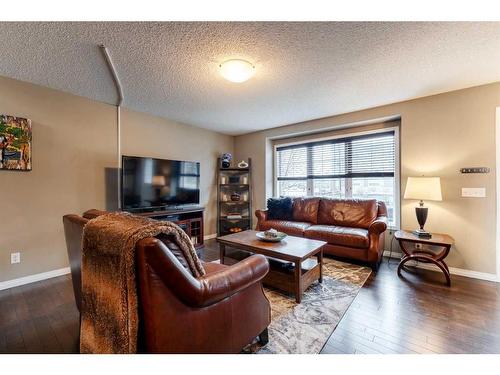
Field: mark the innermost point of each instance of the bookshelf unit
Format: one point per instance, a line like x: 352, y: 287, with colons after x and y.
x: 234, y: 198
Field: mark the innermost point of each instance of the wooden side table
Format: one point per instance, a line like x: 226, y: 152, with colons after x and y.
x: 427, y: 250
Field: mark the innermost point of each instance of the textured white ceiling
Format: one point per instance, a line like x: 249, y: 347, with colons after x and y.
x: 303, y: 70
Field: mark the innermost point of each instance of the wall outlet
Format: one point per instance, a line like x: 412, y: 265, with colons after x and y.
x: 15, y: 258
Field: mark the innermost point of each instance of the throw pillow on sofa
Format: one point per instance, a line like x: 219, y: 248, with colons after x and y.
x: 279, y: 208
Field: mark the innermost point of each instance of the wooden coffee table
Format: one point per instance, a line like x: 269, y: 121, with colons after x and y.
x: 292, y: 249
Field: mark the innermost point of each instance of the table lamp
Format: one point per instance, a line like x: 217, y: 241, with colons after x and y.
x: 423, y: 188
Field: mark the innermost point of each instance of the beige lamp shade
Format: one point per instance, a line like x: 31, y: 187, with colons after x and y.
x: 423, y: 188
x: 159, y: 181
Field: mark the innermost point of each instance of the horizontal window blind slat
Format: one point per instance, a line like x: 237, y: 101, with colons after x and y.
x: 347, y: 175
x: 337, y: 140
x: 371, y: 155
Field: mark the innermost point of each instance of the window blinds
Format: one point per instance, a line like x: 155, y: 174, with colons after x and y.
x: 370, y: 155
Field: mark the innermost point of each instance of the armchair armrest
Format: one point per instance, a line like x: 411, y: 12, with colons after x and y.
x: 219, y: 285
x: 378, y: 226
x: 197, y: 292
x: 93, y: 213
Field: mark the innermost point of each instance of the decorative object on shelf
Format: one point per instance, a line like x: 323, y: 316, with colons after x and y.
x: 234, y: 179
x: 423, y: 188
x: 233, y: 216
x: 234, y: 202
x: 243, y: 164
x: 226, y: 160
x: 15, y: 143
x: 271, y: 235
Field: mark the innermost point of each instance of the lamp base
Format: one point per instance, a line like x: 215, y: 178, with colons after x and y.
x: 422, y: 233
x: 421, y: 218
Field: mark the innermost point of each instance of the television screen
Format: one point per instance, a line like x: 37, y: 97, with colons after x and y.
x: 154, y: 183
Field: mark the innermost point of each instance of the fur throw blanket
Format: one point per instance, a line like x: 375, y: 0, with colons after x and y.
x: 109, y: 316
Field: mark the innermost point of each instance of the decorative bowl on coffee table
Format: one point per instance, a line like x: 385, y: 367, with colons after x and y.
x: 277, y: 238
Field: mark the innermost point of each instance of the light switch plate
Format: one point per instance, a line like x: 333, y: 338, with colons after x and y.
x: 474, y: 192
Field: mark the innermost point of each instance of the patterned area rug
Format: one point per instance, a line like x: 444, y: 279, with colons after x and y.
x: 304, y: 328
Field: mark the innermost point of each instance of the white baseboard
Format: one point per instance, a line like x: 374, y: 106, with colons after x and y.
x: 33, y: 278
x: 453, y: 270
x: 462, y: 272
x: 396, y: 255
x: 50, y: 274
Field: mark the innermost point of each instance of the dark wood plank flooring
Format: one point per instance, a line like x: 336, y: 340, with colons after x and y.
x: 418, y: 314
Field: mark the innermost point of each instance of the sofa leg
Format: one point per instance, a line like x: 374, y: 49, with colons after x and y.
x: 264, y: 337
x: 375, y: 266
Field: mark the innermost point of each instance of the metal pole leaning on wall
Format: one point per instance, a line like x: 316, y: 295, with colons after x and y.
x: 119, y: 91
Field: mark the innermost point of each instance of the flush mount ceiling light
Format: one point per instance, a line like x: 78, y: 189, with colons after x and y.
x: 237, y: 70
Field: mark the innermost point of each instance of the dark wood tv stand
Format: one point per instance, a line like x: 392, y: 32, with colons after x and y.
x: 190, y: 219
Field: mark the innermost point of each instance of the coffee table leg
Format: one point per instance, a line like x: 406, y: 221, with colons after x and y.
x: 222, y: 249
x: 320, y: 262
x: 298, y: 281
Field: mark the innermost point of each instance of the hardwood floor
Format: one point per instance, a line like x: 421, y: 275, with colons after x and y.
x: 390, y: 315
x: 39, y: 318
x: 420, y: 314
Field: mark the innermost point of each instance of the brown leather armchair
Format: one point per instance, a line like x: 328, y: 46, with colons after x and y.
x: 220, y: 312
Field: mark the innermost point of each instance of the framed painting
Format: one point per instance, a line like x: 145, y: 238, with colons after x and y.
x: 15, y: 143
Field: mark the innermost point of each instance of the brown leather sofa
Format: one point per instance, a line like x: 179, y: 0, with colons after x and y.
x: 220, y: 312
x: 354, y: 229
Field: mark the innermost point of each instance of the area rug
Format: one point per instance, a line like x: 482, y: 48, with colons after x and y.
x: 304, y: 328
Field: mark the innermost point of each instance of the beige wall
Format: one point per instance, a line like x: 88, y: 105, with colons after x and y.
x: 161, y: 138
x: 439, y: 135
x: 74, y: 146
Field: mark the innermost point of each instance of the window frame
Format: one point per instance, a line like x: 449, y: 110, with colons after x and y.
x: 397, y: 173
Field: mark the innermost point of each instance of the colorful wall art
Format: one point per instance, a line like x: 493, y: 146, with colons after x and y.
x: 15, y: 143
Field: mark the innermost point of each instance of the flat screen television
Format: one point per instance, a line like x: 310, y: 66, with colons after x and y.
x: 149, y: 183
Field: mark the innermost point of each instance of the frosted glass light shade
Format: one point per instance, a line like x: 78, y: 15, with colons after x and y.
x: 237, y: 70
x: 423, y: 188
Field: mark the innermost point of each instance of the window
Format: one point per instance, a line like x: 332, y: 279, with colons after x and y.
x: 359, y: 166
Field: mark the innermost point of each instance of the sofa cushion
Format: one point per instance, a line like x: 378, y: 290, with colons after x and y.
x: 306, y: 209
x: 352, y: 237
x: 356, y: 213
x: 279, y: 208
x: 293, y: 228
